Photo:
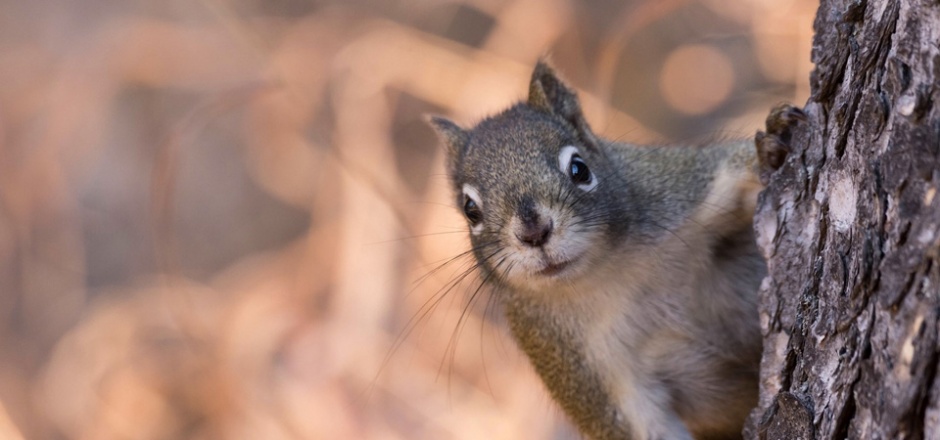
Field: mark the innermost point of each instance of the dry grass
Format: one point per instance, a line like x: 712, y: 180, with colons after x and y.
x: 225, y: 218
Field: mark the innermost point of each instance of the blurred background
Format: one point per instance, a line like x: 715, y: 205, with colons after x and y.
x: 226, y: 219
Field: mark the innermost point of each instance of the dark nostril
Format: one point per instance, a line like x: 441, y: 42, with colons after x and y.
x: 535, y: 235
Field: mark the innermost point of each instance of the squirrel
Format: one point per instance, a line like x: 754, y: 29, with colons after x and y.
x: 628, y: 274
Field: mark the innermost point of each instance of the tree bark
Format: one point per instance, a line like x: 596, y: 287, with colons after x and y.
x: 850, y: 226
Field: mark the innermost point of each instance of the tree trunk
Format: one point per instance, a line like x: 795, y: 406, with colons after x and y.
x: 851, y: 229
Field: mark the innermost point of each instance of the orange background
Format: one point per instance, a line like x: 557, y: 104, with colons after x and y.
x: 226, y: 219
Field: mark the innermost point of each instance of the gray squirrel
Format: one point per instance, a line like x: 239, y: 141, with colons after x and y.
x: 628, y: 274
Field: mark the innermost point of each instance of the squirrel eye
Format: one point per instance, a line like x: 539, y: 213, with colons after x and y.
x: 578, y: 170
x: 473, y: 208
x: 571, y: 164
x: 472, y: 211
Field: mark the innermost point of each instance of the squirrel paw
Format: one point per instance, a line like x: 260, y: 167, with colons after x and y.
x: 774, y: 144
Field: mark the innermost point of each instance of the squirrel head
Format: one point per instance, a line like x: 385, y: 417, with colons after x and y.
x: 533, y: 183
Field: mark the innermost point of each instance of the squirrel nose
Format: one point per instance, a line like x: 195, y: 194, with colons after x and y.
x: 535, y: 235
x: 533, y: 230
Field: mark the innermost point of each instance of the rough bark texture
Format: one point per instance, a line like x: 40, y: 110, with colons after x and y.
x: 851, y: 229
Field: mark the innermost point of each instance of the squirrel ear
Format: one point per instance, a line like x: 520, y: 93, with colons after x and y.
x: 537, y: 97
x: 550, y: 94
x: 453, y: 136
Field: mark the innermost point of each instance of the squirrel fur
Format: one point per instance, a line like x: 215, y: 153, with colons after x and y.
x: 628, y: 274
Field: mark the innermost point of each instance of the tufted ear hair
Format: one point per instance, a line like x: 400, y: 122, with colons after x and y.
x: 454, y: 137
x: 548, y: 93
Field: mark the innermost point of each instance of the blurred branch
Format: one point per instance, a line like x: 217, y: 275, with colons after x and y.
x: 166, y: 165
x: 8, y: 430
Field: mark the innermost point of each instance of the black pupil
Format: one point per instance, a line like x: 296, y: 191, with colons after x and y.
x: 578, y: 170
x: 472, y: 211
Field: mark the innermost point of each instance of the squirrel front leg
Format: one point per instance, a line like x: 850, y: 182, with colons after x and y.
x: 650, y: 417
x: 773, y: 145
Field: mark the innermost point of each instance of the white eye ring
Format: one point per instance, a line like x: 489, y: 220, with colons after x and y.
x: 564, y: 163
x: 472, y: 193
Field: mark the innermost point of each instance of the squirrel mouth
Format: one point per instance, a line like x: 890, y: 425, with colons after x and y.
x: 554, y: 268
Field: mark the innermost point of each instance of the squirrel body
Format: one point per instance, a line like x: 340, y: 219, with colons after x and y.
x: 628, y: 274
